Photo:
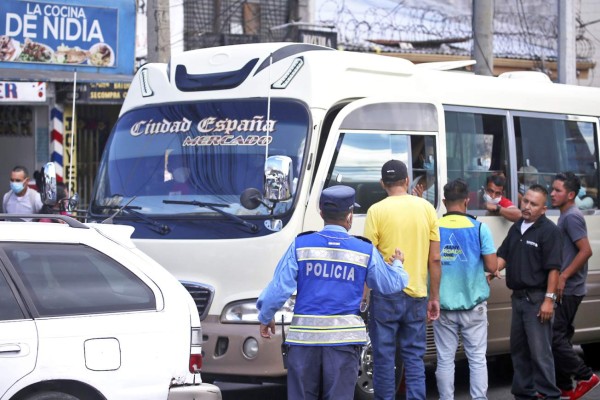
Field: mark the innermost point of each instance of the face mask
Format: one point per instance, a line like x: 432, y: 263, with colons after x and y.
x: 581, y: 192
x: 488, y: 199
x: 17, y: 187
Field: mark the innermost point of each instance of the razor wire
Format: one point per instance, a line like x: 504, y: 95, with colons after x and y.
x: 413, y: 29
x: 402, y: 28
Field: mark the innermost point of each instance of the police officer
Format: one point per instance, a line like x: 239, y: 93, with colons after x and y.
x: 328, y: 270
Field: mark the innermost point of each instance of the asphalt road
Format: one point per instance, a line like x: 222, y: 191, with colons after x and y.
x: 499, y: 372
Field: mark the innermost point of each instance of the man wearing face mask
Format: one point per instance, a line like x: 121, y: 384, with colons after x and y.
x: 21, y: 199
x: 495, y: 202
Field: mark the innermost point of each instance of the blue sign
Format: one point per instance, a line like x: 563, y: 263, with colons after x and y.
x: 91, y: 35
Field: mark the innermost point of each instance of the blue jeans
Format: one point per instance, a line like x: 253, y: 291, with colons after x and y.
x: 473, y: 326
x: 398, y: 320
x: 531, y: 349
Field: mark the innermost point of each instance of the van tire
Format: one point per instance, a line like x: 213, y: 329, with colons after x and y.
x: 51, y: 396
x: 364, y: 384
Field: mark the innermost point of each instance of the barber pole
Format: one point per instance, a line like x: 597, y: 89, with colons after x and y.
x: 56, y: 143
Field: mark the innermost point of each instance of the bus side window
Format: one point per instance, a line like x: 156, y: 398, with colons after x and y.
x: 547, y: 146
x: 476, y: 147
x: 360, y: 156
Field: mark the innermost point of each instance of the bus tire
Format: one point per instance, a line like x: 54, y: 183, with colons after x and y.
x: 364, y: 384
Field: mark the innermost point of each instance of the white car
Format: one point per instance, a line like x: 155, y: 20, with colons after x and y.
x: 86, y: 315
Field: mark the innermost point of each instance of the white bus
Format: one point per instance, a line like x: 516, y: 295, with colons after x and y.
x: 218, y: 159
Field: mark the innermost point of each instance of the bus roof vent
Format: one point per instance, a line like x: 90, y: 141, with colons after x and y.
x: 222, y: 80
x: 534, y: 76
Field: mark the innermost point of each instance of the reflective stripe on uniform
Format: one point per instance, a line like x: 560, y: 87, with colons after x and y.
x: 328, y: 329
x: 327, y: 254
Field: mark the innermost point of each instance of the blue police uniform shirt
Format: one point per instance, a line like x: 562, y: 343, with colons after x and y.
x: 323, y: 278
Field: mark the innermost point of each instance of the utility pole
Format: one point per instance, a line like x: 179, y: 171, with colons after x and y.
x: 483, y: 36
x: 567, y: 57
x: 159, y: 32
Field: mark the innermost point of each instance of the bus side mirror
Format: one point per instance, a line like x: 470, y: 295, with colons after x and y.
x: 278, y: 178
x: 47, y: 185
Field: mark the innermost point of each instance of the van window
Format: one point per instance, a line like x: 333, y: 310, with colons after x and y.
x: 66, y: 279
x: 360, y: 156
x: 477, y: 147
x: 547, y: 146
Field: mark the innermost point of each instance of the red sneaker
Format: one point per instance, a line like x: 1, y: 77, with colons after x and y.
x: 585, y: 386
x: 567, y: 394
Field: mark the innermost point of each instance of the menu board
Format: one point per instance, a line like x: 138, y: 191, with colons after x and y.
x: 58, y: 33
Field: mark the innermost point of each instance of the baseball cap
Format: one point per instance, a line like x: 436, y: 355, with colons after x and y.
x: 339, y: 198
x: 393, y: 170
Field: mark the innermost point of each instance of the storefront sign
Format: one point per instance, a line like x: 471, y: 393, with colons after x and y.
x: 18, y: 92
x: 99, y: 92
x: 70, y: 152
x: 94, y: 36
x: 108, y: 92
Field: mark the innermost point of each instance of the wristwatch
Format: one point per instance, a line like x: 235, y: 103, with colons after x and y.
x: 498, y: 208
x: 551, y: 296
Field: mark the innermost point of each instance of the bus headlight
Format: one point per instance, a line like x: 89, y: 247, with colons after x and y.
x: 245, y: 312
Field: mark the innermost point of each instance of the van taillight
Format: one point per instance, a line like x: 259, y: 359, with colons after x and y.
x: 196, y: 350
x: 195, y: 363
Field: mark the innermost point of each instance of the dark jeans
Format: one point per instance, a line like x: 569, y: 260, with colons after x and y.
x: 567, y: 363
x: 531, y: 348
x: 398, y: 320
x: 333, y: 367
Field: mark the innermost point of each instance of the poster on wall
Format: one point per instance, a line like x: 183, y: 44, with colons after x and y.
x: 94, y: 35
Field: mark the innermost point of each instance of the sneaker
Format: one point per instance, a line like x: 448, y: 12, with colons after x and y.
x: 585, y: 386
x: 567, y: 394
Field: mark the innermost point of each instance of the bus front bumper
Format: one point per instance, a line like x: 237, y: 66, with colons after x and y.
x: 224, y: 354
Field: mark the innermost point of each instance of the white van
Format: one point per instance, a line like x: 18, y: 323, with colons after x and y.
x: 86, y: 315
x: 220, y: 155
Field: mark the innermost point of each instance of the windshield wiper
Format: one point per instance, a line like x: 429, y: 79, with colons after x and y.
x: 154, y: 225
x: 215, y: 207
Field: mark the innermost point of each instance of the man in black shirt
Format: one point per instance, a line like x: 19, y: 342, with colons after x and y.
x: 531, y: 253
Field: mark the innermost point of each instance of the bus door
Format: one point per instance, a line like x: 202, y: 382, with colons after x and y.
x: 367, y: 133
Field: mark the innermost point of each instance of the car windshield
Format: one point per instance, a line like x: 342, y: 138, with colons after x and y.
x: 201, y: 153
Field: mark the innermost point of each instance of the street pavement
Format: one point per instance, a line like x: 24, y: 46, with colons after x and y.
x: 499, y: 378
x: 499, y: 373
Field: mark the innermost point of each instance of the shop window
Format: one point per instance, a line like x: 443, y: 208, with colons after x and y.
x: 16, y: 121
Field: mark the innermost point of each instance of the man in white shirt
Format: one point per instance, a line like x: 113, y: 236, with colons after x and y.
x: 21, y: 199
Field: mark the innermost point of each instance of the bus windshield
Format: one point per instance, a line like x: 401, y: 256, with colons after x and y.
x: 202, y: 153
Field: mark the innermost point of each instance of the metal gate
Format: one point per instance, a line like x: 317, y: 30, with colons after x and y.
x: 94, y: 124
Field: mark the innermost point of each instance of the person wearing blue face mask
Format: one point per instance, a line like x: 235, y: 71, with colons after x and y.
x: 21, y: 199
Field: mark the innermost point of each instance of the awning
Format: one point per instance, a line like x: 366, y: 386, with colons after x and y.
x: 29, y: 75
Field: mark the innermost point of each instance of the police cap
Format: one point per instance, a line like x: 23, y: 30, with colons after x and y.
x: 339, y: 198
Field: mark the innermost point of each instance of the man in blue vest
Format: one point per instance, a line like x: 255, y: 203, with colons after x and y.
x: 328, y: 270
x: 467, y: 250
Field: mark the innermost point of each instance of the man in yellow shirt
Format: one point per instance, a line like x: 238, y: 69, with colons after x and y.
x: 410, y: 223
